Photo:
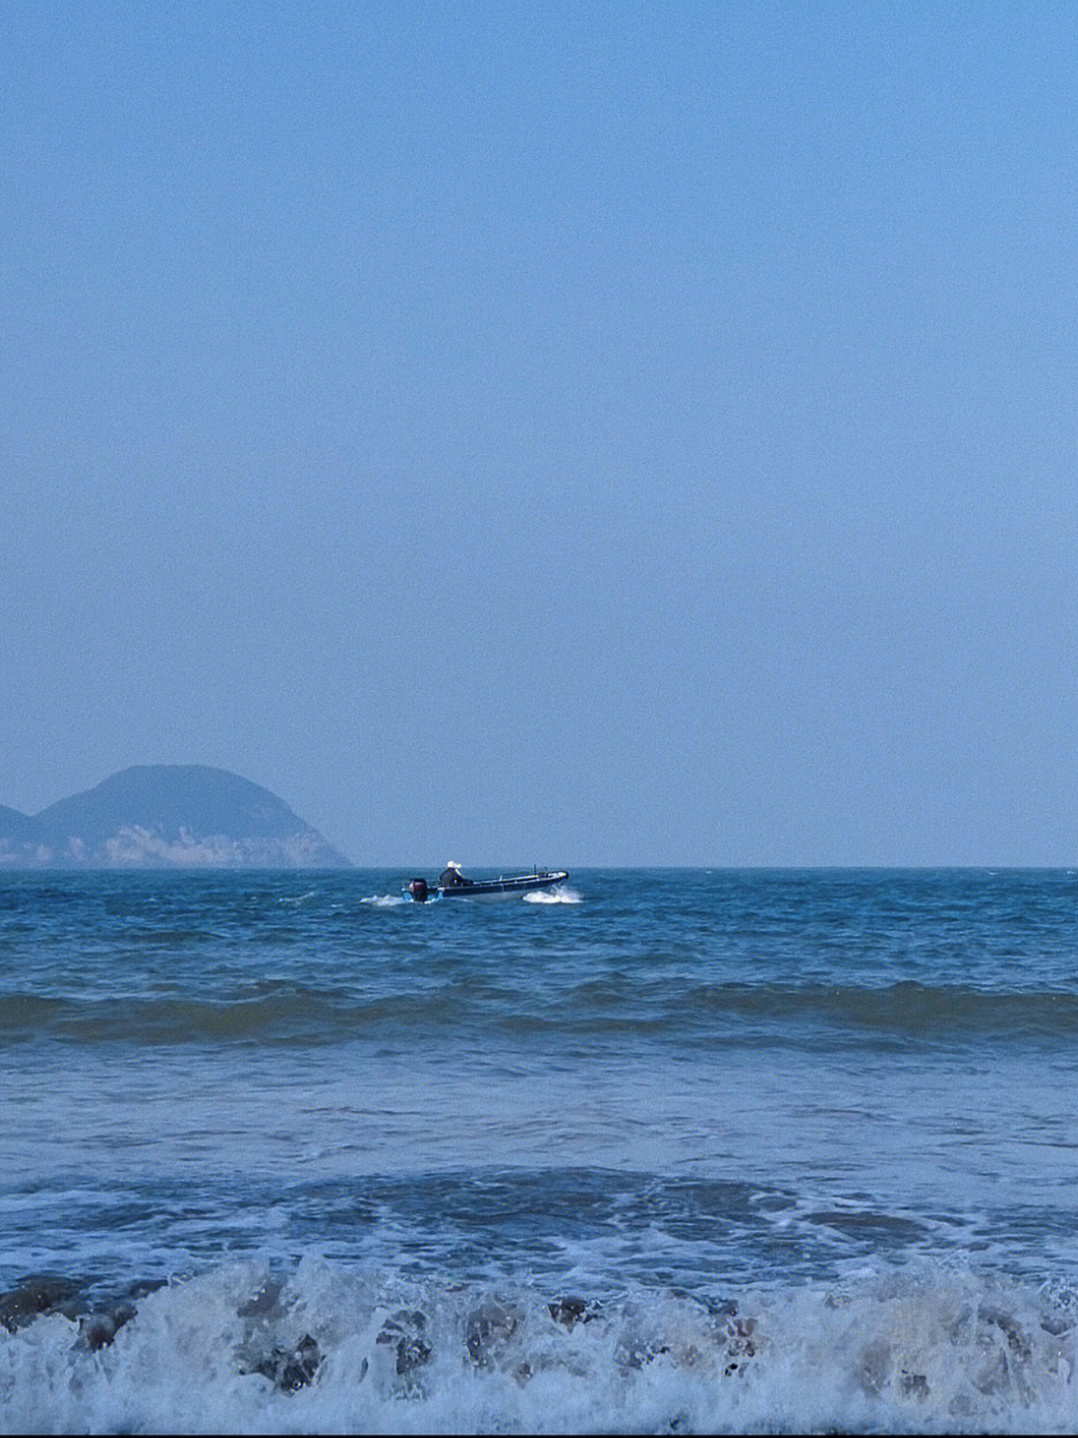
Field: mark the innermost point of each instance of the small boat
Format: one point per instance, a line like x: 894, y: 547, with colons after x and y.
x: 453, y: 885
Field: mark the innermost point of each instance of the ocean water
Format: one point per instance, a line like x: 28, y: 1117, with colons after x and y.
x: 659, y: 1151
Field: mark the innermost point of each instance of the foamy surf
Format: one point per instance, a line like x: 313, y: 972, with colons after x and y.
x: 327, y: 1349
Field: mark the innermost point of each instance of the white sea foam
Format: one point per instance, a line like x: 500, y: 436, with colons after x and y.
x: 560, y: 894
x: 336, y: 1350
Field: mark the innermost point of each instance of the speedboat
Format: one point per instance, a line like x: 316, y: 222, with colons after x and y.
x: 502, y: 888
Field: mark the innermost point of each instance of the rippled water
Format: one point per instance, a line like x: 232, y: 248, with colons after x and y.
x: 825, y: 1116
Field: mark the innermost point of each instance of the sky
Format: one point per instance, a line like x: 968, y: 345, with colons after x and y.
x: 566, y: 433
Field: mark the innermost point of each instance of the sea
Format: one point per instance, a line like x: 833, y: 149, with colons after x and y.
x: 655, y: 1151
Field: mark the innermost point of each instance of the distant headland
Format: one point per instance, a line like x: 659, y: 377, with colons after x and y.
x: 166, y: 816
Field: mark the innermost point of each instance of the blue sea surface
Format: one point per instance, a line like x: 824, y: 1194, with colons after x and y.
x: 654, y: 1151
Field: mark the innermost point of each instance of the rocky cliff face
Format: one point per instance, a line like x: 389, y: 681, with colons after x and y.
x: 166, y: 816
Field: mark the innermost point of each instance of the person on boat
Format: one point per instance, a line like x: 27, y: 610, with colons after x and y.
x: 452, y: 878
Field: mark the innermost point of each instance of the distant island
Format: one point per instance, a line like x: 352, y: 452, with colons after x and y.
x: 166, y: 816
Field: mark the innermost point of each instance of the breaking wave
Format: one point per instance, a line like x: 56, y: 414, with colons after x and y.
x: 247, y: 1349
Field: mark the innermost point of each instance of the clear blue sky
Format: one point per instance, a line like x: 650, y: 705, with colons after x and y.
x: 628, y: 433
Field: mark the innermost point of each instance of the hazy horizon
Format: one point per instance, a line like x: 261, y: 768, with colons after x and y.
x: 624, y: 435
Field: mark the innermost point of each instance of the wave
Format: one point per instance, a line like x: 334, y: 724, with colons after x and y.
x: 907, y: 1009
x: 901, y: 1013
x: 245, y: 1348
x: 280, y: 1013
x: 292, y: 1012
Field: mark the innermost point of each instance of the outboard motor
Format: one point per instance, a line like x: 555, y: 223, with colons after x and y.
x: 418, y: 890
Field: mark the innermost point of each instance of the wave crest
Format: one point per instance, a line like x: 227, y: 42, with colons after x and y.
x: 325, y: 1348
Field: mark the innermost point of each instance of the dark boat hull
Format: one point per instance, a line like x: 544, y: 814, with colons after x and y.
x: 503, y: 888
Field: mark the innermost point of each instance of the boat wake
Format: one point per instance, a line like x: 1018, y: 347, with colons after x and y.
x: 561, y: 894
